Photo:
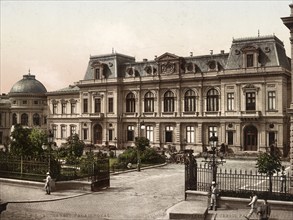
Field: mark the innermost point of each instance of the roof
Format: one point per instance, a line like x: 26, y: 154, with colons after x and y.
x: 28, y: 84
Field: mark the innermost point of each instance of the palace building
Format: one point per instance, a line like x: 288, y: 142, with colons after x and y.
x: 242, y: 97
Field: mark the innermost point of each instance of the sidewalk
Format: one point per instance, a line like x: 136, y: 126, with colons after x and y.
x: 33, y: 192
x: 196, y: 210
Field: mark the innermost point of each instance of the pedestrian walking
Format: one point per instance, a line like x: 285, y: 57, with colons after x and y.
x: 264, y: 211
x: 252, y: 204
x: 214, y: 195
x: 48, y: 184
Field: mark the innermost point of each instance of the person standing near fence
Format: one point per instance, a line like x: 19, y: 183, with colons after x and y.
x: 252, y: 204
x: 48, y: 184
x: 214, y: 195
x: 283, y: 180
x: 264, y: 211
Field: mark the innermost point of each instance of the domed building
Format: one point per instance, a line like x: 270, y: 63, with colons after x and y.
x: 25, y: 104
x: 28, y: 102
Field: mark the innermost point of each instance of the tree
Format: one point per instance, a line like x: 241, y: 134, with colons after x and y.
x: 37, y: 137
x: 74, y: 147
x: 20, y: 141
x: 269, y: 164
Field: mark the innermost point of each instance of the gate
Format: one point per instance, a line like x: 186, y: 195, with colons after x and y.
x: 100, y: 174
x: 190, y: 171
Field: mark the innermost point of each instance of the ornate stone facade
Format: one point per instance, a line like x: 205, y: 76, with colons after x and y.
x: 241, y: 96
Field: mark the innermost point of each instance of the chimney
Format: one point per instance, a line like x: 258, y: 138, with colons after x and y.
x: 145, y: 60
x: 191, y: 54
x: 222, y: 52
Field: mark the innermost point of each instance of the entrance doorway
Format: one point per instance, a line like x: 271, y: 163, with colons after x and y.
x: 250, y: 138
x: 98, y: 134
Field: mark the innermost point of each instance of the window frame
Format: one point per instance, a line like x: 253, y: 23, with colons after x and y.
x: 169, y: 101
x: 130, y: 102
x: 212, y: 100
x: 271, y: 100
x: 189, y: 101
x: 149, y: 100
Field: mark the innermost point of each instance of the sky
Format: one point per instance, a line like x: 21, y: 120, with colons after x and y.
x: 54, y: 39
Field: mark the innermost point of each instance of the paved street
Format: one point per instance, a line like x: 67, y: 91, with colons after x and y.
x: 135, y: 195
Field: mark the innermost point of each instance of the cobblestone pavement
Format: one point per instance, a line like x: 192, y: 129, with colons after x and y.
x: 223, y: 214
x: 135, y: 195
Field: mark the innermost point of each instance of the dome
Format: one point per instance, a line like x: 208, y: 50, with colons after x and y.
x: 28, y: 85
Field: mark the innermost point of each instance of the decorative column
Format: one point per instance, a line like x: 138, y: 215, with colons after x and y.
x: 288, y: 22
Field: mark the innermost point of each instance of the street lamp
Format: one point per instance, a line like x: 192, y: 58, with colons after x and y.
x: 115, y: 142
x: 49, y: 146
x: 141, y: 126
x: 212, y: 157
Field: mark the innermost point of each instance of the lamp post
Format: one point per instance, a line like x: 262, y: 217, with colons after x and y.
x: 49, y: 146
x: 212, y: 157
x: 115, y: 142
x: 141, y: 126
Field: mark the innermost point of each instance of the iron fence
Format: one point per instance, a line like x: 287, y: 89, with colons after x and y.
x: 241, y: 180
x: 23, y: 167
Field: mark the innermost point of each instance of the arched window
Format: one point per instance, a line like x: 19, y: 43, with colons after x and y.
x: 189, y: 101
x: 212, y: 100
x: 149, y: 102
x: 130, y: 102
x: 169, y: 101
x: 14, y: 119
x: 24, y: 119
x: 36, y: 119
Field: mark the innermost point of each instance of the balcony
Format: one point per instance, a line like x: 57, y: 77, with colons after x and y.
x: 250, y: 115
x: 97, y: 115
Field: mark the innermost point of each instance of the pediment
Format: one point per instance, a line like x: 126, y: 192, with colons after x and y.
x: 250, y: 47
x: 167, y: 56
x: 96, y: 64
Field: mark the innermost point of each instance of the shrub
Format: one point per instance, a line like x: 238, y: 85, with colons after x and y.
x: 152, y: 157
x: 128, y: 156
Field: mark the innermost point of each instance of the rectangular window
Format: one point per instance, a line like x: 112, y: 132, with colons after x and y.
x: 54, y: 131
x: 272, y: 138
x: 63, y: 132
x: 36, y: 102
x: 97, y: 73
x: 130, y: 133
x: 271, y: 100
x: 213, y: 131
x: 110, y: 135
x: 249, y: 60
x: 85, y: 132
x: 230, y: 101
x: 24, y: 102
x: 72, y: 130
x: 110, y: 105
x: 73, y: 108
x: 55, y: 108
x: 169, y: 134
x: 150, y: 133
x: 63, y: 109
x: 230, y: 138
x: 190, y: 134
x: 97, y: 105
x: 250, y: 101
x: 85, y: 105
